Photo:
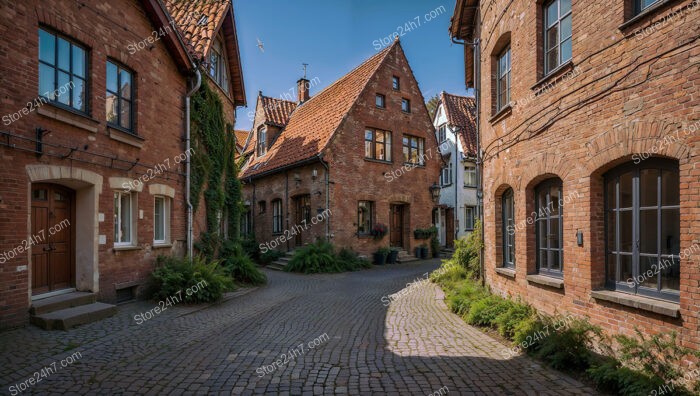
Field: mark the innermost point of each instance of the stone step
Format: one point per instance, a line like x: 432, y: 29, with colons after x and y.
x: 277, y: 266
x: 63, y: 301
x: 68, y: 318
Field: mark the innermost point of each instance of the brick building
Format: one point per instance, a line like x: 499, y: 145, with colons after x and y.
x: 350, y: 157
x: 93, y: 184
x: 588, y: 120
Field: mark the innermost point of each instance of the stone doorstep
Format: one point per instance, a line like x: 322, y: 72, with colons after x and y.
x: 65, y: 319
x: 639, y: 302
x: 63, y: 301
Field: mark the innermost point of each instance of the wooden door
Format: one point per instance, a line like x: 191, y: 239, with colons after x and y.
x: 302, y: 208
x: 52, y: 238
x: 396, y: 227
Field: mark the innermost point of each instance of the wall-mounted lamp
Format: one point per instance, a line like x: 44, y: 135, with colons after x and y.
x: 579, y: 237
x: 314, y: 174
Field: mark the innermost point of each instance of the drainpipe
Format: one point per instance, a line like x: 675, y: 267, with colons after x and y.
x: 188, y: 162
x: 455, y: 170
x: 328, y: 198
x: 479, y: 178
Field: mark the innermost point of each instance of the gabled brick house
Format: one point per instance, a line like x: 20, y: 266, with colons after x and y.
x: 350, y: 157
x: 589, y: 139
x: 93, y: 184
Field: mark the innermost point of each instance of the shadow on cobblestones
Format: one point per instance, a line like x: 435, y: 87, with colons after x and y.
x: 415, y: 346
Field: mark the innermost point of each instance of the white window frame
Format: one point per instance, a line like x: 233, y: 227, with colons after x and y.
x: 446, y: 175
x: 470, y: 171
x: 132, y: 219
x: 442, y: 133
x: 165, y: 218
x: 469, y: 225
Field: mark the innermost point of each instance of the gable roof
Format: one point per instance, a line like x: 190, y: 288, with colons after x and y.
x: 276, y: 112
x: 313, y: 123
x: 241, y: 139
x: 199, y: 22
x: 176, y: 46
x: 461, y: 112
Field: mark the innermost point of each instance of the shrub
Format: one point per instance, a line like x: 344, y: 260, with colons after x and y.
x: 174, y: 276
x: 314, y: 258
x: 568, y: 347
x: 467, y: 252
x: 351, y: 261
x: 611, y: 376
x: 239, y: 265
x: 525, y: 332
x: 251, y: 248
x: 270, y: 256
x: 484, y: 312
x: 508, y: 320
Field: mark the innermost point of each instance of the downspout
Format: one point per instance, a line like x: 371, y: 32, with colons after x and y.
x: 479, y: 179
x: 328, y: 198
x: 455, y: 215
x: 286, y: 202
x: 188, y: 162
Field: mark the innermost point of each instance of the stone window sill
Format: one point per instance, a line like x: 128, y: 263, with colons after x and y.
x: 501, y: 114
x: 161, y: 245
x: 509, y: 272
x: 546, y: 281
x: 125, y: 248
x: 125, y: 137
x: 378, y: 161
x: 79, y: 120
x: 553, y: 76
x: 644, y: 303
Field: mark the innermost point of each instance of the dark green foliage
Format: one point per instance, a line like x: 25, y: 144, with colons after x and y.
x: 435, y: 246
x: 507, y: 321
x: 251, y: 248
x: 320, y: 257
x: 270, y: 256
x: 173, y: 276
x: 484, y: 312
x: 525, y: 331
x: 467, y: 252
x: 425, y: 233
x: 610, y: 376
x: 239, y: 265
x: 568, y: 347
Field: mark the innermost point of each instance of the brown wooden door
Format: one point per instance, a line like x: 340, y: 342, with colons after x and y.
x: 396, y: 227
x: 302, y: 208
x: 52, y: 238
x: 450, y: 227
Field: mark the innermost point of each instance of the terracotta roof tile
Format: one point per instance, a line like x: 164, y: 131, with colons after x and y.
x: 461, y: 111
x: 277, y: 111
x: 313, y: 123
x: 198, y: 21
x: 241, y: 138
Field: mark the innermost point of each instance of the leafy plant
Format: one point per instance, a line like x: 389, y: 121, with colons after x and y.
x: 378, y: 231
x: 173, y: 276
x: 425, y: 233
x: 511, y: 318
x: 484, y: 312
x: 314, y: 258
x: 270, y: 256
x: 568, y: 347
x: 384, y: 250
x: 351, y: 261
x: 240, y: 266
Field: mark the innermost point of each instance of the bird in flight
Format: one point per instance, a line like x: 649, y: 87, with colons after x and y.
x: 261, y: 46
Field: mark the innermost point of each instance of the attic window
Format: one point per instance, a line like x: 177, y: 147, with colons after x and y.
x: 379, y: 101
x: 405, y: 105
x: 217, y: 64
x: 262, y: 141
x: 396, y: 83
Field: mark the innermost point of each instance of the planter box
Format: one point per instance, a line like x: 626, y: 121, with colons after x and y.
x: 391, y: 259
x: 380, y: 258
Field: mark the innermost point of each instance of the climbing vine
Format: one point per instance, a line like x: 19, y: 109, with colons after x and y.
x: 214, y: 173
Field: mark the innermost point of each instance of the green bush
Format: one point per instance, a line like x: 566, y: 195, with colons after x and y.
x: 508, y: 321
x: 525, y: 333
x: 567, y: 347
x: 173, y: 276
x: 467, y: 252
x: 251, y: 248
x: 351, y: 261
x: 239, y: 265
x: 484, y: 312
x: 610, y: 376
x: 314, y: 258
x: 270, y: 256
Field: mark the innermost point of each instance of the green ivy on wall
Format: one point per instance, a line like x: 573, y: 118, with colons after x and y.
x: 214, y: 172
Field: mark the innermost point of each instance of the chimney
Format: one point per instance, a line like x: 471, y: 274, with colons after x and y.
x: 302, y: 90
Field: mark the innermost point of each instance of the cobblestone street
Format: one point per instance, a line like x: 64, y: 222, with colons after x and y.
x: 414, y: 346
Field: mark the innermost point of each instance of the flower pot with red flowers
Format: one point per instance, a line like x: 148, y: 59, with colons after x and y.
x: 379, y: 231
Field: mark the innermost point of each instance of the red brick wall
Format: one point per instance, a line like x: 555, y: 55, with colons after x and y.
x: 160, y: 122
x: 627, y: 92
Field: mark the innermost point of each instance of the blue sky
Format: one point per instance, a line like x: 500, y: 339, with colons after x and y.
x: 334, y: 36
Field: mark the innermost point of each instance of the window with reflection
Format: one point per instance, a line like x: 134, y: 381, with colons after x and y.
x: 548, y: 228
x: 62, y: 71
x: 642, y: 222
x: 413, y: 150
x: 378, y: 145
x: 508, y: 228
x: 503, y: 80
x: 557, y: 35
x: 276, y: 216
x: 218, y: 69
x: 641, y: 5
x: 118, y: 99
x: 364, y: 217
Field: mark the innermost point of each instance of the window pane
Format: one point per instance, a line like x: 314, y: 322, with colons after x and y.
x: 648, y: 231
x: 112, y: 81
x: 670, y: 231
x: 63, y: 94
x: 566, y: 50
x: 612, y: 267
x: 670, y: 188
x: 552, y: 38
x: 159, y: 220
x: 648, y: 191
x: 671, y: 274
x: 405, y: 154
x: 125, y: 89
x: 541, y: 203
x: 612, y: 222
x: 626, y: 231
x: 554, y: 197
x: 380, y: 137
x: 552, y: 13
x: 565, y: 6
x: 555, y: 264
x: 79, y: 94
x: 46, y: 81
x: 368, y: 149
x: 380, y: 150
x: 554, y: 241
x: 125, y: 217
x: 111, y: 108
x: 78, y: 62
x: 648, y: 275
x: 626, y: 190
x: 125, y: 114
x: 625, y: 268
x: 610, y: 193
x: 63, y: 54
x: 541, y: 234
x: 47, y: 47
x: 565, y: 28
x: 553, y: 59
x: 543, y: 259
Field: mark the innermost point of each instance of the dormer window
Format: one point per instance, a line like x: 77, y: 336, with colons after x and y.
x: 217, y: 64
x: 396, y: 83
x: 262, y: 141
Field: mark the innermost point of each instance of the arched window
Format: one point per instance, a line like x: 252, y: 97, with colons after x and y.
x: 508, y: 226
x: 642, y: 223
x: 548, y: 228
